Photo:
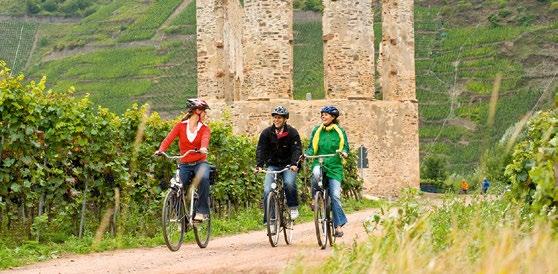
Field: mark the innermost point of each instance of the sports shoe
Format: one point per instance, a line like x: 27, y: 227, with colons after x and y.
x: 338, y: 233
x: 294, y: 213
x: 200, y: 217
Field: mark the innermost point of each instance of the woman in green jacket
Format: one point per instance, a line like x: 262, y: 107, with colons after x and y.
x: 330, y: 138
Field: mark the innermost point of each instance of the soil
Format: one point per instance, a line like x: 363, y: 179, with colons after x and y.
x: 248, y: 252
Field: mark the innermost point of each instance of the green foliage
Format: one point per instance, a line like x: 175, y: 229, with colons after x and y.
x: 145, y: 26
x: 534, y: 166
x: 68, y: 150
x: 493, y: 164
x: 308, y: 60
x: 311, y: 5
x: 452, y: 236
x: 185, y: 22
x: 435, y: 169
x: 16, y: 43
x: 80, y: 8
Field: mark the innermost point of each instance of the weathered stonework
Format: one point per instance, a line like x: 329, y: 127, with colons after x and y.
x: 397, y: 53
x: 348, y: 36
x: 389, y: 129
x: 245, y: 68
x: 268, y: 49
x: 232, y: 38
x: 209, y: 16
x: 219, y: 48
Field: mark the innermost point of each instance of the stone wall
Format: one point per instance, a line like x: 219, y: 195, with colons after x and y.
x: 268, y: 49
x: 210, y: 62
x: 219, y: 48
x: 348, y: 36
x: 397, y: 53
x: 245, y: 67
x: 233, y: 26
x: 389, y: 129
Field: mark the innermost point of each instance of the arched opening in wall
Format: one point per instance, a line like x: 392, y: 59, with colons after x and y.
x: 308, y: 74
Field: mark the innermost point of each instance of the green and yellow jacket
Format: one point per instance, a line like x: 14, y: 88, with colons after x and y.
x: 327, y: 140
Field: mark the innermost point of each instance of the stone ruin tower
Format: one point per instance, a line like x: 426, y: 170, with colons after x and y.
x: 245, y: 66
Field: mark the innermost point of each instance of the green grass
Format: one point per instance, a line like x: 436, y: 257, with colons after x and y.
x: 308, y: 60
x: 12, y: 7
x: 106, y: 86
x: 466, y: 60
x: 452, y: 237
x: 20, y: 252
x: 145, y: 26
x: 180, y: 81
x: 16, y: 43
x: 185, y: 22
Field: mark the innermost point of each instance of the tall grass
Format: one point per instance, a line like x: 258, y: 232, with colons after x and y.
x: 484, y: 237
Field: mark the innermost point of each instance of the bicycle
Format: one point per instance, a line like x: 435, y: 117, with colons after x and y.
x: 322, y: 206
x: 277, y: 216
x: 178, y: 213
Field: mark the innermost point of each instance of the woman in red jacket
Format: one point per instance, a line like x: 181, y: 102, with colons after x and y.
x: 193, y: 134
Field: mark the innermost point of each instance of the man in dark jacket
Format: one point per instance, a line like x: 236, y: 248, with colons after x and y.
x: 279, y: 146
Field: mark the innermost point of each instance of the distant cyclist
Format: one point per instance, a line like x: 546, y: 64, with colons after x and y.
x: 279, y: 146
x: 193, y: 134
x: 329, y: 138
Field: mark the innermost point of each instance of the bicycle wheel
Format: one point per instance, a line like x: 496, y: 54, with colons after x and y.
x: 320, y: 219
x: 288, y: 224
x: 330, y: 227
x: 173, y: 220
x: 202, y: 230
x: 273, y: 218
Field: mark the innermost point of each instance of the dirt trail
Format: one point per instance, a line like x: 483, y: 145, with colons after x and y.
x: 248, y: 252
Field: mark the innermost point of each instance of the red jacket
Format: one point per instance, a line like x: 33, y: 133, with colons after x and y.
x: 201, y: 140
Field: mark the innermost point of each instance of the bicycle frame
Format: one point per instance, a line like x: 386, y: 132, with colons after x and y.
x: 277, y: 191
x: 323, y: 189
x: 175, y: 182
x: 176, y: 200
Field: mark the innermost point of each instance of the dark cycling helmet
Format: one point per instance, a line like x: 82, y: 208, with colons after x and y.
x: 331, y: 110
x: 281, y: 111
x: 196, y: 103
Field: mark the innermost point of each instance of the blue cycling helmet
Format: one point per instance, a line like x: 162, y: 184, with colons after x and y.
x: 331, y: 110
x: 281, y: 111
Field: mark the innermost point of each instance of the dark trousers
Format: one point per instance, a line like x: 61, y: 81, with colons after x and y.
x: 187, y: 172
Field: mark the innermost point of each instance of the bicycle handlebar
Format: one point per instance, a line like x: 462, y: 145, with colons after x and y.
x: 272, y: 171
x: 339, y: 152
x: 180, y: 156
x: 319, y: 156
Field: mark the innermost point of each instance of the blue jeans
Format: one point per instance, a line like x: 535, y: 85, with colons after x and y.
x: 187, y: 171
x: 289, y: 183
x: 339, y: 218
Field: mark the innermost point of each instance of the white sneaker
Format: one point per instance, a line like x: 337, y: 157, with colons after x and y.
x: 294, y: 213
x: 200, y: 217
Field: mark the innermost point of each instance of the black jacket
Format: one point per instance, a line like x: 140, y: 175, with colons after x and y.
x: 278, y: 151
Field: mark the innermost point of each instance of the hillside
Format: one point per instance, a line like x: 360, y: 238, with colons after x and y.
x: 126, y: 51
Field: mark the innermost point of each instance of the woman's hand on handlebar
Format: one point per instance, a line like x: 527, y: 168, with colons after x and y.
x: 342, y: 153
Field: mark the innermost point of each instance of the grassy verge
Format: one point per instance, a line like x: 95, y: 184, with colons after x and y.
x: 245, y: 220
x: 487, y: 236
